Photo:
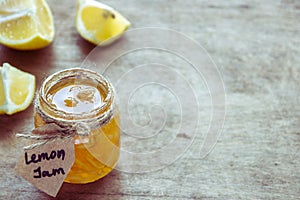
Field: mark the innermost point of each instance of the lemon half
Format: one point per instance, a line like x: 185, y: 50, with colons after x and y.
x: 99, y: 23
x: 16, y: 89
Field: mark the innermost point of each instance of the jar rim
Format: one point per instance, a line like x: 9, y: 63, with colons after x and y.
x: 54, y: 113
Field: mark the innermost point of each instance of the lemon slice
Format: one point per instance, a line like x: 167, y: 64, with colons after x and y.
x: 99, y: 23
x: 26, y: 24
x: 16, y: 89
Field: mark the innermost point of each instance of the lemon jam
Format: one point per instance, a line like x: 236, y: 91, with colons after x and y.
x: 82, y: 97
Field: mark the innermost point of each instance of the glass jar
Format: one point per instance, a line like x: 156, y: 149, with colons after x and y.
x: 85, y: 100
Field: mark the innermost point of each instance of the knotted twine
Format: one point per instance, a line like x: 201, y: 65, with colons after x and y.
x: 61, y: 128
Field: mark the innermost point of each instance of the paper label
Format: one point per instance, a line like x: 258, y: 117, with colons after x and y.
x: 47, y: 166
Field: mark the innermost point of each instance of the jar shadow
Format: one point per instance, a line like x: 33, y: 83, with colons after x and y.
x: 107, y: 185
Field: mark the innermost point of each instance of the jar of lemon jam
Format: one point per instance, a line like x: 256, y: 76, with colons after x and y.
x: 84, y: 99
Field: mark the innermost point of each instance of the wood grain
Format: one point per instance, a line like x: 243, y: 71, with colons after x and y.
x: 255, y: 44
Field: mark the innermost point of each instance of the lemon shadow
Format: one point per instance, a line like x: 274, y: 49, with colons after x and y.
x: 84, y: 46
x: 37, y: 62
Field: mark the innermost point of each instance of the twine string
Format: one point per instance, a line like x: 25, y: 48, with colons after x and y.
x: 59, y: 129
x: 52, y: 131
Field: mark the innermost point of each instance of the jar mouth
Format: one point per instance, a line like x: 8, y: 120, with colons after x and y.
x: 77, y: 73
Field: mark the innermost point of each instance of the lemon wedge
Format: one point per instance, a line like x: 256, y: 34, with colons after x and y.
x: 26, y: 24
x: 16, y: 89
x: 99, y: 23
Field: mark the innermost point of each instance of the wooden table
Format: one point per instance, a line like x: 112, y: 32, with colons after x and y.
x: 256, y: 46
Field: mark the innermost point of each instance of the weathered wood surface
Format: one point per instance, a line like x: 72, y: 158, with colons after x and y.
x: 255, y: 44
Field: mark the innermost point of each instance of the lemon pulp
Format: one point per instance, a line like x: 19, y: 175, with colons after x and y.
x: 26, y: 25
x: 99, y: 23
x: 16, y: 89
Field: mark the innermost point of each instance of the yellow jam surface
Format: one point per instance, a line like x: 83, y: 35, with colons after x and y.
x: 97, y: 154
x: 75, y: 96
